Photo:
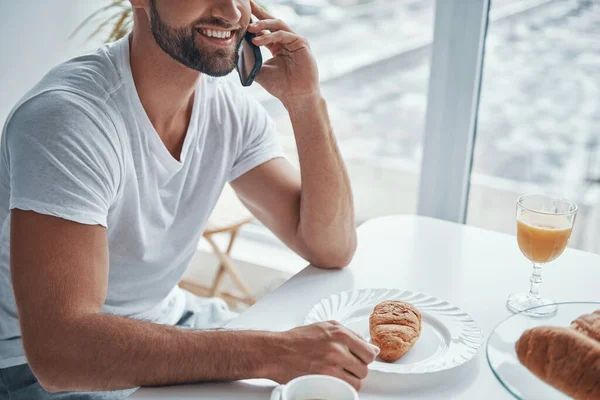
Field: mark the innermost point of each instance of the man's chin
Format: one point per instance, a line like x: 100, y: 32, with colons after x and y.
x: 216, y: 73
x: 217, y: 64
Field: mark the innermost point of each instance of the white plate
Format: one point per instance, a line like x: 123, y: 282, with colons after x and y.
x: 449, y: 336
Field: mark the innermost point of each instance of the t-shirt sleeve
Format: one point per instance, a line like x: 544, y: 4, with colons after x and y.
x: 259, y: 142
x: 61, y: 159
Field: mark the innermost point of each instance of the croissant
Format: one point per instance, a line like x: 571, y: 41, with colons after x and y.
x: 395, y: 326
x: 564, y: 358
x: 588, y: 324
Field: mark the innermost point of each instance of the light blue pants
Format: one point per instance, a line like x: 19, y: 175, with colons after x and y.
x: 19, y: 383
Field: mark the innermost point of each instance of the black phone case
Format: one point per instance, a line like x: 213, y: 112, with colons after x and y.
x: 257, y: 60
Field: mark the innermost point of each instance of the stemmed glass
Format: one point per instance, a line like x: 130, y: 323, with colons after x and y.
x: 544, y: 225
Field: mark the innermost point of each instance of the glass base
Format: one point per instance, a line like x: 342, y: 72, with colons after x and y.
x: 522, y: 303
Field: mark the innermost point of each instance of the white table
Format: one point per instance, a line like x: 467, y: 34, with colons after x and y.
x: 470, y: 267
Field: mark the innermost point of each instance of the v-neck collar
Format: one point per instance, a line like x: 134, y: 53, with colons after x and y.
x: 158, y: 146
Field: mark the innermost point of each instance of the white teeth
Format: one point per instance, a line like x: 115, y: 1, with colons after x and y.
x: 216, y: 34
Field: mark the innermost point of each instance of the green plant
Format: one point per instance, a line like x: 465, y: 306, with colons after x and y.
x: 117, y: 16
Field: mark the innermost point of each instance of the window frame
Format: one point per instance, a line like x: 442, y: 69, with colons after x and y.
x: 460, y: 30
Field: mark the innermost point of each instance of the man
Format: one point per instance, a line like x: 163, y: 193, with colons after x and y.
x: 109, y: 169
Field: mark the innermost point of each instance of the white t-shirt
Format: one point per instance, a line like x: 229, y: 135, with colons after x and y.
x: 80, y: 146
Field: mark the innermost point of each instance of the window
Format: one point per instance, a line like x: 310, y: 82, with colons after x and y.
x: 374, y: 58
x: 539, y: 115
x: 417, y: 131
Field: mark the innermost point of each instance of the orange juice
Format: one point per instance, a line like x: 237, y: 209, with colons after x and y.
x: 542, y: 238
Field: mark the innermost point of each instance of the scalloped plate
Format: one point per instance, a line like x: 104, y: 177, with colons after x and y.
x: 449, y: 336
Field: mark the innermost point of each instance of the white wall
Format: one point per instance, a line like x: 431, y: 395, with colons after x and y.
x: 34, y: 37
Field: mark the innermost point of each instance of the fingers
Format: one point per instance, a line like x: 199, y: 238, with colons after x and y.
x: 358, y: 346
x: 356, y: 367
x: 291, y: 41
x: 376, y: 349
x: 272, y: 25
x: 259, y: 12
x: 362, y: 349
x: 360, y: 337
x: 343, y: 374
x: 275, y: 37
x: 348, y: 377
x: 340, y: 357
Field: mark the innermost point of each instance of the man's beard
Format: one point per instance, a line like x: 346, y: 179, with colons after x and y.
x: 180, y: 44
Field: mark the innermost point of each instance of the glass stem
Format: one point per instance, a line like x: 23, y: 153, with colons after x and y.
x: 536, y: 281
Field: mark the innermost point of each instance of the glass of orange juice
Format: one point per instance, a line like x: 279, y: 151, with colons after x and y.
x: 544, y: 225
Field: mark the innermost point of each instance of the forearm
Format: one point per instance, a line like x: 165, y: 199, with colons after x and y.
x: 105, y: 352
x: 326, y: 222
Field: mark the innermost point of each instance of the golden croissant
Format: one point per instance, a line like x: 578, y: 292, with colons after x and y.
x: 395, y: 327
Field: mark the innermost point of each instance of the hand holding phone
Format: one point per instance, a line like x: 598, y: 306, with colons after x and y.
x: 291, y: 74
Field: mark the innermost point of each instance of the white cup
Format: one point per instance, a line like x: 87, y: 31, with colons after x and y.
x: 315, y: 387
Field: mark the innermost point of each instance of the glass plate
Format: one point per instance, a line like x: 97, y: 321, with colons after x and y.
x: 502, y: 357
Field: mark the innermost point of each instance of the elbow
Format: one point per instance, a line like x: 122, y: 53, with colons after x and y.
x: 47, y: 365
x: 334, y: 257
x: 46, y: 373
x: 51, y: 387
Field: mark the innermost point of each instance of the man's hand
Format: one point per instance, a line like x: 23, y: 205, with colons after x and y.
x: 292, y: 73
x: 324, y: 348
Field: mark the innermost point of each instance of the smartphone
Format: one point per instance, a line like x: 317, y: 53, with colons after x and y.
x: 249, y: 60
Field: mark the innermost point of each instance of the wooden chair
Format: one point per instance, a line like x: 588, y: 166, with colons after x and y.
x: 228, y: 217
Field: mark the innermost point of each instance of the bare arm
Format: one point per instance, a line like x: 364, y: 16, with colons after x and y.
x: 59, y: 272
x: 60, y: 280
x: 313, y: 213
x: 326, y: 203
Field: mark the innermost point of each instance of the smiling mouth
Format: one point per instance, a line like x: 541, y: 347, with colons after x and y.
x: 216, y: 34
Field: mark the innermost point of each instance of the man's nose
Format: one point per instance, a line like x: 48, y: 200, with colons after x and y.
x: 227, y: 10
